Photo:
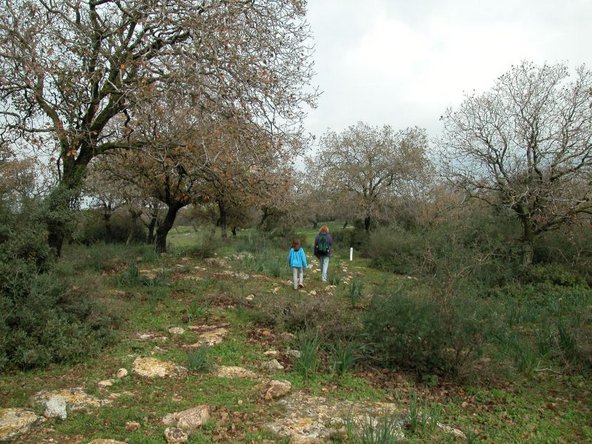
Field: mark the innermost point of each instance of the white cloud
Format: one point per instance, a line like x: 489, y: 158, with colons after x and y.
x: 403, y: 63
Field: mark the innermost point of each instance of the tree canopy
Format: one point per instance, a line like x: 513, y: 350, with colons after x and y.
x: 526, y: 145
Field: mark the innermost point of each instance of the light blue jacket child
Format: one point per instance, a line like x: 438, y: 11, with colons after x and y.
x: 297, y: 258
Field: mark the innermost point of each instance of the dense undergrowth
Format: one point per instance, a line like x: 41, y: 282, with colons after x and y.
x: 443, y: 309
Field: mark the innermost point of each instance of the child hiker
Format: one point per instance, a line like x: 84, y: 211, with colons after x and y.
x: 297, y: 260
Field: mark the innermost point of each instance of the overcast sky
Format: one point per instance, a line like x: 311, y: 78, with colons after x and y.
x: 403, y: 62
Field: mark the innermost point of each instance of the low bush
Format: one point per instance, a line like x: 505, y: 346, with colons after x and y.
x: 42, y: 321
x: 422, y: 333
x: 332, y: 318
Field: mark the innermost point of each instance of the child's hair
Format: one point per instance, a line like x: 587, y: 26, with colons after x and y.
x: 296, y: 244
x: 324, y: 229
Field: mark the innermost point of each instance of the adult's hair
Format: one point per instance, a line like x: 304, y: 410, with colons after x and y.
x: 324, y: 229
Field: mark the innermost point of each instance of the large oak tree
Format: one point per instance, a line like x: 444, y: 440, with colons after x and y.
x: 526, y: 146
x: 365, y: 166
x: 72, y: 67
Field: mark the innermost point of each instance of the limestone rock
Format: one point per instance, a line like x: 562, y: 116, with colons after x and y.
x: 294, y: 353
x: 250, y: 297
x: 14, y: 421
x: 176, y: 330
x: 208, y: 336
x: 55, y: 407
x: 132, y: 426
x: 271, y: 353
x: 121, y: 373
x: 272, y: 365
x: 106, y: 441
x: 451, y: 430
x: 312, y: 419
x: 155, y: 368
x: 76, y: 398
x: 151, y: 337
x: 173, y: 435
x: 275, y: 389
x: 105, y: 383
x: 234, y: 372
x: 189, y: 419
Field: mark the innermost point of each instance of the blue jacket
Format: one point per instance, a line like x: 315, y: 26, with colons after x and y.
x: 297, y: 258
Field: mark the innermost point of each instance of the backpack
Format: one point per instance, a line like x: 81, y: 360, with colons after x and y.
x: 323, y: 245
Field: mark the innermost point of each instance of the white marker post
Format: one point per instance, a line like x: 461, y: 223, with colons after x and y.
x: 351, y: 254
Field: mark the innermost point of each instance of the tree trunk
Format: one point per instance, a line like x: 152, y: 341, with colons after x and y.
x: 135, y: 215
x: 223, y: 218
x: 166, y: 225
x: 367, y: 221
x: 61, y: 207
x: 107, y: 213
x: 527, y: 240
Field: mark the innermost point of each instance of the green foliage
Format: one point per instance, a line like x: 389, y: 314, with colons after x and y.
x: 342, y: 357
x: 332, y: 319
x: 199, y: 360
x: 423, y: 416
x: 355, y: 292
x: 308, y: 364
x: 92, y: 228
x: 480, y: 248
x: 41, y: 320
x: 381, y: 430
x: 424, y: 334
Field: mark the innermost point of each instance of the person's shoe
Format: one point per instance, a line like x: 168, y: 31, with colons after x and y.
x: 300, y: 285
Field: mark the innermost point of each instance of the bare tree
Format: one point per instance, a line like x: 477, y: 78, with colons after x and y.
x: 70, y: 68
x: 526, y: 145
x: 365, y: 166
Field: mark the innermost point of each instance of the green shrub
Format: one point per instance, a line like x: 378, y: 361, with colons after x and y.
x: 424, y: 334
x: 91, y: 228
x: 342, y: 356
x: 308, y: 363
x: 42, y: 321
x: 332, y: 319
x: 42, y: 324
x: 199, y: 360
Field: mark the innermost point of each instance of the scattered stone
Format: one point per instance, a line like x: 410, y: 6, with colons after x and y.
x: 76, y: 398
x: 317, y: 419
x: 15, y: 421
x: 113, y: 396
x: 242, y: 256
x: 452, y: 431
x: 272, y: 365
x: 312, y: 293
x: 106, y: 441
x: 250, y: 297
x: 189, y: 419
x: 271, y: 353
x: 216, y: 262
x: 209, y: 338
x: 55, y: 407
x: 176, y: 330
x: 151, y: 337
x: 173, y: 435
x: 234, y: 372
x: 287, y: 336
x: 132, y: 426
x: 121, y: 373
x: 294, y: 353
x: 105, y: 383
x: 153, y: 368
x: 275, y: 389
